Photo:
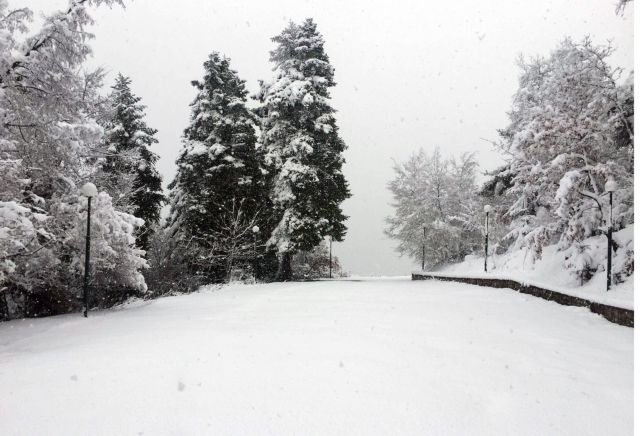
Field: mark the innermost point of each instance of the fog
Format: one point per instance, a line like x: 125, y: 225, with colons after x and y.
x: 410, y: 74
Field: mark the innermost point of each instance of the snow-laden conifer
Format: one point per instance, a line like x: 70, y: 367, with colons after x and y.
x: 302, y: 145
x: 216, y: 195
x: 129, y: 165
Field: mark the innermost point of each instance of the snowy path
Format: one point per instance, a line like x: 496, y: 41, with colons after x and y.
x: 326, y: 358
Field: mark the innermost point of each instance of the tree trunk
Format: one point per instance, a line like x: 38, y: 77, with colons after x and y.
x: 229, y: 266
x: 284, y: 274
x: 4, y: 307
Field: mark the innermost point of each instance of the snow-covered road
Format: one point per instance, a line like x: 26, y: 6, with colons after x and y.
x: 325, y: 358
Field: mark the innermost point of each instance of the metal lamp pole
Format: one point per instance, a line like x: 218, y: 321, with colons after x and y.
x: 255, y: 230
x: 89, y: 190
x: 424, y: 242
x: 330, y: 258
x: 610, y: 187
x: 487, y: 209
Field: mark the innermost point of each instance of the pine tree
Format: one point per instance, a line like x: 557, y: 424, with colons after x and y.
x: 302, y: 147
x: 219, y: 183
x: 130, y: 165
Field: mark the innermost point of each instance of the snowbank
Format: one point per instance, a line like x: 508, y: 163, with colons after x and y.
x: 550, y: 272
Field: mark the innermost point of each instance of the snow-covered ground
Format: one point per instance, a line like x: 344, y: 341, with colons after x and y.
x: 325, y: 358
x: 550, y: 273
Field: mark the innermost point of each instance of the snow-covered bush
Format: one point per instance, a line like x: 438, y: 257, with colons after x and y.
x: 171, y: 265
x: 116, y: 263
x: 314, y: 264
x: 25, y: 246
x: 42, y: 255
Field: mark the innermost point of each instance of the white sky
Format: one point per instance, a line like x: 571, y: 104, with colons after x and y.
x: 410, y: 74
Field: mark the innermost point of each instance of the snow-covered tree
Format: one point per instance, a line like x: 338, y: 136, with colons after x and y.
x: 235, y: 241
x: 129, y: 165
x: 24, y: 238
x: 171, y: 264
x: 218, y: 169
x: 412, y: 212
x: 49, y: 138
x: 42, y: 254
x: 116, y: 262
x: 464, y: 204
x: 621, y: 6
x: 436, y: 206
x: 493, y: 193
x: 302, y: 146
x: 570, y: 131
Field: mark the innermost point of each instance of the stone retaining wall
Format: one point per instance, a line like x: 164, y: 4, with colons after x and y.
x: 611, y: 313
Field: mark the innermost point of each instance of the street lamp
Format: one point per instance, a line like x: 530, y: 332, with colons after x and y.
x: 424, y: 242
x: 487, y: 209
x: 610, y: 187
x: 88, y: 190
x: 255, y: 230
x: 330, y: 258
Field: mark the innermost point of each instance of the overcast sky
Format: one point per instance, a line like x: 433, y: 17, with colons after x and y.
x: 410, y: 74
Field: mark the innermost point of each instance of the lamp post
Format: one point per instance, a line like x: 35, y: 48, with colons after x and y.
x: 424, y: 242
x: 88, y: 190
x: 487, y: 209
x: 610, y: 187
x: 255, y: 230
x: 330, y: 258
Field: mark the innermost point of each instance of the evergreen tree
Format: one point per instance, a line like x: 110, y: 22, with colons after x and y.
x: 129, y: 167
x: 302, y: 147
x: 216, y: 195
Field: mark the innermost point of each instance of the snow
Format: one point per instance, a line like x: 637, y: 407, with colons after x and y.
x: 89, y: 190
x: 550, y: 272
x: 195, y: 148
x: 332, y: 357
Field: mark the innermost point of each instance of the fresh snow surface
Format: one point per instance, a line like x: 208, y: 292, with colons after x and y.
x: 321, y: 358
